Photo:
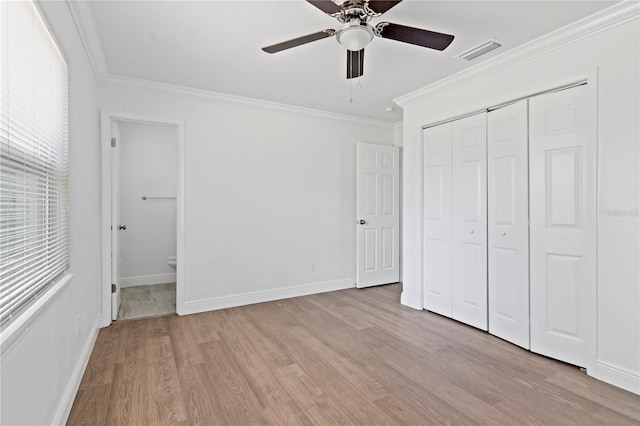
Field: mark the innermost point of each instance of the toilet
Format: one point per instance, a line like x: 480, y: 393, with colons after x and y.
x: 172, y: 261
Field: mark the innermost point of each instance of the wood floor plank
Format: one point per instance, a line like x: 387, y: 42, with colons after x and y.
x: 197, y: 406
x: 164, y: 401
x: 318, y: 406
x: 337, y: 383
x: 261, y: 330
x: 127, y: 404
x: 253, y: 365
x: 353, y: 356
x: 599, y: 393
x: 134, y: 335
x: 236, y: 397
x: 207, y: 325
x: 157, y: 327
x: 101, y: 364
x: 184, y: 341
x: 90, y: 406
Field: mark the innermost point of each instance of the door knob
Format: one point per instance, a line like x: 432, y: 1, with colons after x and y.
x: 504, y: 233
x: 471, y: 231
x: 362, y: 221
x: 122, y: 227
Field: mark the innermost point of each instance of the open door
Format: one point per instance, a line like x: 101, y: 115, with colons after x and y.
x: 378, y: 205
x: 116, y: 227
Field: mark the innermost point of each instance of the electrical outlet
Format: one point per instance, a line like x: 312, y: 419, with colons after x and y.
x: 312, y: 267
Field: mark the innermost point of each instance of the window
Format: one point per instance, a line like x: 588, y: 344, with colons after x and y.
x: 34, y: 221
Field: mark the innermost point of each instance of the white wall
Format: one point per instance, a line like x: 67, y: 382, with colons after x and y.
x: 148, y: 166
x: 42, y: 368
x: 268, y: 191
x: 615, y: 54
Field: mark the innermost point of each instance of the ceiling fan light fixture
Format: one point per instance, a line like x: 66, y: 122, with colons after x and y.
x: 355, y: 35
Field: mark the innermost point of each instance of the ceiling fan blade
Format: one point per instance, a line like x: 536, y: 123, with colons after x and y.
x: 417, y: 36
x: 380, y: 6
x: 355, y: 63
x: 327, y: 6
x: 299, y: 41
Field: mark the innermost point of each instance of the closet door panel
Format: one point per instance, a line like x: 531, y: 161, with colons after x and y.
x: 469, y: 221
x: 437, y: 219
x: 562, y: 161
x: 508, y: 220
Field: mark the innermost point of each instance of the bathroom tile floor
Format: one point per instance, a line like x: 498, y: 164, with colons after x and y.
x: 147, y: 301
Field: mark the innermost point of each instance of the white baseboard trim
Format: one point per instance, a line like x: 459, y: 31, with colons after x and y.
x: 411, y: 301
x: 617, y: 376
x: 64, y: 407
x: 147, y: 280
x: 204, y: 305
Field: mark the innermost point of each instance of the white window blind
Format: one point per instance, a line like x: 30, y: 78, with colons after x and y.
x: 34, y: 223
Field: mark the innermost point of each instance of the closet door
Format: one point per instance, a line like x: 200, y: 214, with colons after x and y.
x: 563, y: 269
x: 508, y: 217
x: 437, y: 219
x: 469, y: 221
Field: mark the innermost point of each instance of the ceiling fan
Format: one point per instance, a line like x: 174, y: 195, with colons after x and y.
x: 356, y: 32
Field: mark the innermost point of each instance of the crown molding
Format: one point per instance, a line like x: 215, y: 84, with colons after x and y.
x: 164, y: 89
x: 84, y: 19
x: 85, y: 22
x: 601, y: 21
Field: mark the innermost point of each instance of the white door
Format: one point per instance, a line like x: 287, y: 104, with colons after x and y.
x: 115, y: 219
x: 508, y: 217
x: 562, y: 210
x: 437, y: 219
x: 469, y: 220
x: 378, y: 206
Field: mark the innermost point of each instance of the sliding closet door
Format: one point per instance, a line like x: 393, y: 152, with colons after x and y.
x: 508, y: 217
x: 563, y: 268
x: 469, y: 221
x: 437, y: 219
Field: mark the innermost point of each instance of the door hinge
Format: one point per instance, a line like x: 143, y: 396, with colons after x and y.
x: 113, y: 142
x: 113, y: 288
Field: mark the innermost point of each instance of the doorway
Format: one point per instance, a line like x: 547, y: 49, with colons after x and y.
x: 142, y: 216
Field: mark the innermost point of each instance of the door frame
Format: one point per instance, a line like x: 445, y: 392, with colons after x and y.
x: 106, y: 117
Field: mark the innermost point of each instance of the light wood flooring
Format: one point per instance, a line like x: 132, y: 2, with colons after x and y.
x: 346, y: 357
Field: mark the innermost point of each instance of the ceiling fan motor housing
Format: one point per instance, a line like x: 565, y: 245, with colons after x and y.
x: 355, y: 35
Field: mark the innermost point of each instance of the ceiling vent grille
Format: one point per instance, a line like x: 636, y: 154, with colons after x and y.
x: 480, y: 50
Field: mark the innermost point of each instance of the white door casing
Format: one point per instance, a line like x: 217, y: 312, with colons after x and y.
x: 437, y: 219
x: 378, y: 204
x: 508, y: 222
x: 469, y: 220
x: 106, y: 118
x: 562, y: 155
x: 115, y: 219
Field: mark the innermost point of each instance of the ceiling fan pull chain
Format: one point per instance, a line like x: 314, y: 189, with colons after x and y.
x: 351, y: 91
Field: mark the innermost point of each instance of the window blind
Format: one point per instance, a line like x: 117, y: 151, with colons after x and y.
x: 34, y: 219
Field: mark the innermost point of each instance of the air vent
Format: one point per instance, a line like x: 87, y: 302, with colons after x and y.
x: 480, y: 50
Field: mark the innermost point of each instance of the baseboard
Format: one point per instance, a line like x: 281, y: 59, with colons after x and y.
x: 617, y: 376
x: 411, y: 301
x: 66, y: 402
x: 147, y: 280
x: 204, y: 305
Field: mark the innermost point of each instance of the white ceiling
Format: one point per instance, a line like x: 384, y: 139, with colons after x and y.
x: 216, y: 45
